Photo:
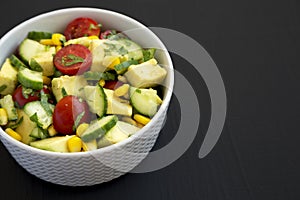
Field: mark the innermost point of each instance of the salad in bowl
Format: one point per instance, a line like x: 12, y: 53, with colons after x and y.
x: 78, y: 90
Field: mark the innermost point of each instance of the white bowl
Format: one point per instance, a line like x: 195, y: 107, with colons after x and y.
x: 102, y: 165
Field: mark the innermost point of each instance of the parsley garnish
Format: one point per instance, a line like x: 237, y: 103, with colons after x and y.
x: 26, y: 92
x: 71, y: 59
x: 3, y: 87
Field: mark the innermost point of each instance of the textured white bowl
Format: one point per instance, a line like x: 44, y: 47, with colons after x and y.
x: 102, y: 165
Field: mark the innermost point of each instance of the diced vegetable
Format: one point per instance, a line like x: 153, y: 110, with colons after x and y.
x: 8, y: 104
x: 99, y: 128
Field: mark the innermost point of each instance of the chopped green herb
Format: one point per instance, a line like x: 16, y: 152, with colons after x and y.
x: 15, y: 125
x: 45, y: 104
x: 64, y: 92
x: 35, y: 119
x: 122, y: 67
x: 148, y: 54
x: 71, y: 59
x: 2, y: 88
x: 47, y: 47
x: 138, y: 91
x: 93, y: 26
x: 122, y: 51
x: 26, y: 92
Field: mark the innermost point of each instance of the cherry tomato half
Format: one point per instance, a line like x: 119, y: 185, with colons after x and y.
x: 21, y: 99
x: 80, y: 27
x: 73, y: 59
x: 67, y: 111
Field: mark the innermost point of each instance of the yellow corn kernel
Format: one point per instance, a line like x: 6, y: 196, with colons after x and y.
x: 89, y: 146
x: 152, y: 61
x: 122, y: 79
x: 115, y: 62
x: 46, y: 80
x: 52, y: 132
x: 122, y: 90
x: 129, y: 120
x: 102, y: 82
x: 93, y: 37
x: 74, y: 144
x: 58, y: 39
x: 81, y: 128
x: 141, y: 119
x: 46, y: 42
x: 3, y: 117
x: 139, y: 125
x: 57, y: 48
x: 13, y: 134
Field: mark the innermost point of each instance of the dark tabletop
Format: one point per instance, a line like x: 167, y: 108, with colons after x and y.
x: 256, y: 46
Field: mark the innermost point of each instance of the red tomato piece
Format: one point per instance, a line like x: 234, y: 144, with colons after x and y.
x: 67, y: 111
x: 112, y: 85
x: 21, y: 99
x: 82, y: 26
x: 73, y: 59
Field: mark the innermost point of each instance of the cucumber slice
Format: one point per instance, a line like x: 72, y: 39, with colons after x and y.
x: 38, y: 35
x: 99, y: 128
x: 39, y: 133
x: 135, y: 51
x: 29, y: 48
x: 35, y: 66
x: 145, y: 101
x: 38, y: 114
x: 16, y: 62
x: 8, y: 104
x: 30, y: 78
x: 96, y: 99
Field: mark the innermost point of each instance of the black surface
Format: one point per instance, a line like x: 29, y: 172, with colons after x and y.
x: 255, y: 45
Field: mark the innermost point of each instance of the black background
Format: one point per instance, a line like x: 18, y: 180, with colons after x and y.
x: 255, y: 45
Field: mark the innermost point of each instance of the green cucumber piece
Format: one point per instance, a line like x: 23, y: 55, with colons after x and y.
x: 99, y: 128
x: 29, y: 48
x: 16, y: 62
x: 8, y: 104
x: 96, y: 99
x: 31, y: 79
x: 122, y: 67
x: 145, y: 101
x: 38, y: 114
x: 35, y: 66
x: 39, y: 133
x: 135, y: 51
x: 38, y: 35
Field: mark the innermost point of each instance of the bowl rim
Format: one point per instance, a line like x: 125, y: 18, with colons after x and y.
x: 163, y: 107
